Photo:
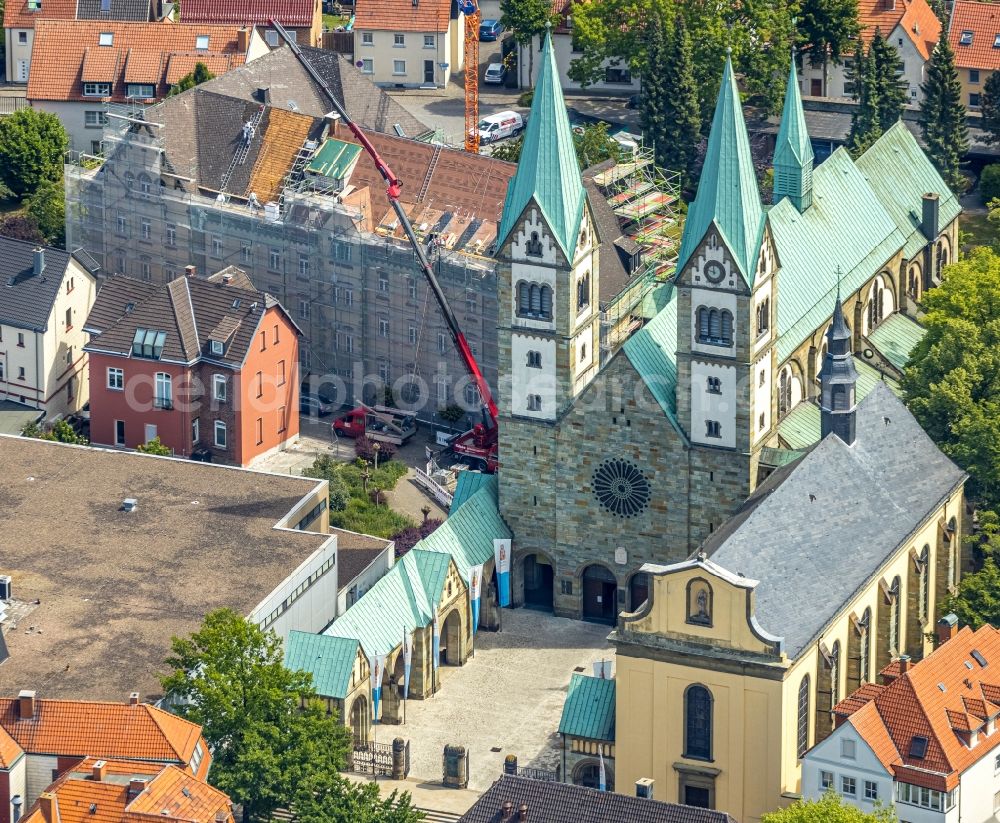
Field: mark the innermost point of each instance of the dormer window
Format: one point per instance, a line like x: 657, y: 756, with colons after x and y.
x: 966, y: 38
x: 218, y: 347
x: 139, y: 91
x: 106, y: 38
x: 534, y: 245
x: 34, y: 5
x: 148, y: 343
x: 96, y: 89
x: 996, y: 41
x: 201, y: 42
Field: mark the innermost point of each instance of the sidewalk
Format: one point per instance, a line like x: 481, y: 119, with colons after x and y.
x: 426, y: 794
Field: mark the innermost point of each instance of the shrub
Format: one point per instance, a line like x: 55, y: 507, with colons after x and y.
x: 154, y: 446
x: 364, y: 447
x: 451, y: 413
x: 989, y: 182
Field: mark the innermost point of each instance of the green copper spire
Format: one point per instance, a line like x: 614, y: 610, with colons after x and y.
x: 793, y: 154
x: 727, y: 192
x: 547, y: 171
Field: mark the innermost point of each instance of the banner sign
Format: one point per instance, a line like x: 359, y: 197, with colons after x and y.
x: 602, y: 779
x: 376, y: 664
x: 501, y: 557
x: 407, y: 659
x: 436, y: 645
x: 475, y: 593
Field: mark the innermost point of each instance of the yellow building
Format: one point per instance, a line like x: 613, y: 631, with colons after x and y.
x: 834, y: 566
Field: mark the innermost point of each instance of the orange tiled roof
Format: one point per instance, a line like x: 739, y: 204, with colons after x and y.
x: 915, y: 17
x: 983, y: 20
x: 16, y: 12
x: 109, y: 730
x: 167, y: 794
x: 402, y: 15
x: 66, y: 50
x: 180, y: 64
x: 944, y: 698
x: 286, y: 131
x: 9, y: 750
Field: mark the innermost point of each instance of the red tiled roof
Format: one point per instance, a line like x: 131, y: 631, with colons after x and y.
x: 9, y: 750
x: 944, y: 698
x: 110, y: 730
x: 983, y: 20
x: 180, y: 64
x: 17, y: 14
x: 402, y: 15
x: 915, y: 17
x: 64, y: 52
x: 293, y: 13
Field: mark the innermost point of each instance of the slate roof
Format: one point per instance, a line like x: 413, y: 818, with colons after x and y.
x: 983, y: 20
x: 26, y: 303
x: 134, y: 10
x: 872, y: 496
x: 403, y: 15
x: 614, y: 276
x: 330, y: 660
x: 566, y: 803
x: 896, y: 337
x: 289, y: 13
x: 914, y: 704
x: 547, y: 172
x: 64, y: 50
x: 727, y: 197
x: 589, y: 710
x: 187, y: 309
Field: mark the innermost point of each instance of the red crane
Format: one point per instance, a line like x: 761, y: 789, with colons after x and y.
x: 479, y: 444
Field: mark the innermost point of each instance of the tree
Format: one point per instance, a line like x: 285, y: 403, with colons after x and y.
x: 830, y: 808
x: 268, y: 734
x: 21, y: 227
x: 826, y: 30
x: 191, y: 79
x: 887, y: 77
x: 989, y: 182
x: 526, y: 19
x: 154, y: 446
x: 592, y: 144
x: 61, y: 432
x: 942, y: 114
x: 990, y: 107
x: 978, y: 599
x: 671, y: 114
x: 331, y: 798
x: 33, y: 145
x: 326, y: 468
x: 47, y: 207
x: 865, y: 128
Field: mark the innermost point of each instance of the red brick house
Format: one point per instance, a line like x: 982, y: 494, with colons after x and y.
x: 208, y: 365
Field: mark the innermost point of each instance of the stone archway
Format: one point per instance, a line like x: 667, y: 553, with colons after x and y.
x: 600, y: 594
x: 588, y: 773
x: 452, y: 632
x: 360, y: 719
x: 538, y: 576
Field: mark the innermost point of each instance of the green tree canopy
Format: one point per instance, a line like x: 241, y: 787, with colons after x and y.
x: 268, y: 733
x: 47, y: 206
x: 330, y: 798
x: 890, y: 87
x: 191, y: 79
x: 592, y: 144
x: 942, y: 114
x: 990, y: 107
x: 33, y: 145
x: 154, y: 446
x: 830, y: 808
x: 526, y: 19
x: 865, y: 126
x: 826, y: 30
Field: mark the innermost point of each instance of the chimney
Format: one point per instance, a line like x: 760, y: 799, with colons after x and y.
x: 264, y: 95
x: 929, y: 218
x: 227, y: 279
x: 947, y: 628
x: 39, y: 254
x: 48, y: 806
x: 190, y: 271
x: 99, y: 770
x: 904, y: 664
x: 644, y: 788
x: 522, y: 813
x: 133, y: 699
x: 136, y: 786
x: 26, y: 704
x: 243, y: 41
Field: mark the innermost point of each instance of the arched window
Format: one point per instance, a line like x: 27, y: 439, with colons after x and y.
x: 942, y: 257
x: 698, y: 723
x: 715, y: 327
x: 835, y: 674
x: 583, y: 292
x: 864, y: 636
x: 925, y: 570
x: 894, y: 616
x: 523, y: 304
x: 547, y: 302
x: 534, y: 245
x: 913, y: 282
x: 784, y: 392
x: 714, y: 385
x: 534, y: 300
x: 534, y: 359
x: 763, y: 316
x: 802, y: 726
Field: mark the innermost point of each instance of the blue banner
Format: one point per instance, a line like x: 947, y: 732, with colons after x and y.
x: 475, y: 593
x: 407, y: 659
x: 436, y: 645
x: 376, y: 665
x: 501, y: 558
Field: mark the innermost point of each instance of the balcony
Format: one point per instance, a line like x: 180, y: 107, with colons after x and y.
x: 165, y: 403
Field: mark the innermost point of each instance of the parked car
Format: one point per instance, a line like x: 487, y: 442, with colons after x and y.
x: 495, y: 73
x: 314, y: 405
x: 490, y: 30
x: 500, y: 125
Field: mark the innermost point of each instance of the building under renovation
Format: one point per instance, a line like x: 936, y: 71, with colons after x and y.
x: 250, y: 170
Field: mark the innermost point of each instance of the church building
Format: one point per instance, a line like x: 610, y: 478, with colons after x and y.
x: 610, y: 461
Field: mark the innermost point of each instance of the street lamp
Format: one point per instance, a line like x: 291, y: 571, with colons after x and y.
x: 376, y: 447
x: 425, y: 510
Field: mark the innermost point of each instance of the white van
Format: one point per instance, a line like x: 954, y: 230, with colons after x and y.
x: 500, y: 125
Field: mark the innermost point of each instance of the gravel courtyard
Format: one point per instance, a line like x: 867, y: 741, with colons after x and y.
x: 510, y: 696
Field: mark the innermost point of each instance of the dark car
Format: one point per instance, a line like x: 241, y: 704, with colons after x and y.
x: 314, y: 405
x: 490, y: 30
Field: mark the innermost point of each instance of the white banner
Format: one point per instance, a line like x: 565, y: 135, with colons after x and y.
x: 407, y: 659
x: 376, y: 666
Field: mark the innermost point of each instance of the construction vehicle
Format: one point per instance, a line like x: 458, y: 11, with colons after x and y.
x: 382, y: 423
x: 478, y: 446
x: 472, y: 18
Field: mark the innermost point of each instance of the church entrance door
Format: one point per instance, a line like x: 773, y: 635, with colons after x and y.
x: 600, y: 595
x: 538, y: 581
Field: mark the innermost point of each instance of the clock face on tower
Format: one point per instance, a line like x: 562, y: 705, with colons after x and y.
x: 714, y: 271
x: 620, y: 487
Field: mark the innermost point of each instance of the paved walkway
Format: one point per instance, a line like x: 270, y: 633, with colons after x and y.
x: 506, y: 700
x: 426, y: 794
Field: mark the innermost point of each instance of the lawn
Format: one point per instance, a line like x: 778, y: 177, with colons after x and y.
x: 977, y: 230
x: 361, y: 514
x: 331, y: 22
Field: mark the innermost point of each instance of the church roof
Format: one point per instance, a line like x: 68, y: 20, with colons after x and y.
x: 589, y: 710
x: 727, y: 192
x: 330, y: 660
x: 793, y: 147
x: 872, y: 496
x: 896, y: 337
x: 547, y: 172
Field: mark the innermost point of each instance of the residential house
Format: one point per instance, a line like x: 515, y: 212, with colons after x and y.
x: 924, y: 740
x: 120, y: 791
x: 302, y: 19
x: 42, y: 738
x: 45, y: 296
x: 511, y: 799
x: 81, y: 65
x: 210, y: 366
x: 974, y: 35
x: 20, y: 17
x: 617, y: 79
x: 910, y: 26
x: 408, y: 44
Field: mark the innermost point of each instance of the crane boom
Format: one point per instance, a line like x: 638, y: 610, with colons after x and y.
x: 393, y: 189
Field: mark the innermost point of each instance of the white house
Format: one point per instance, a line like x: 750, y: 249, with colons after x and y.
x: 925, y: 740
x: 45, y: 297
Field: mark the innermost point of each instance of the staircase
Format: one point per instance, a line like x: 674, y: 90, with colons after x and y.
x: 244, y: 148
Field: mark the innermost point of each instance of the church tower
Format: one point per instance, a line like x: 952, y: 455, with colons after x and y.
x: 793, y: 154
x: 549, y: 319
x: 727, y: 300
x: 838, y: 381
